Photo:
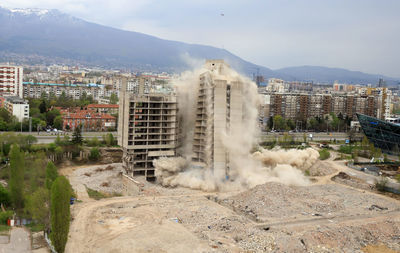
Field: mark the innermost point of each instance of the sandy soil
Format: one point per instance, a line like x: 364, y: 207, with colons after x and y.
x: 324, y: 217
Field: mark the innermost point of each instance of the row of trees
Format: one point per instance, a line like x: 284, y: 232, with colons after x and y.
x: 35, y: 190
x: 329, y: 122
x: 9, y: 122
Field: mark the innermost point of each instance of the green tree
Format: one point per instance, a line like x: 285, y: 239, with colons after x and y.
x: 290, y: 124
x: 51, y: 116
x: 34, y: 112
x: 365, y: 143
x: 113, y: 98
x: 279, y: 122
x: 58, y: 122
x: 17, y: 163
x: 5, y: 198
x: 60, y: 213
x: 3, y: 125
x: 38, y: 206
x: 271, y: 122
x: 4, y: 114
x: 77, y: 136
x: 43, y: 106
x: 51, y: 174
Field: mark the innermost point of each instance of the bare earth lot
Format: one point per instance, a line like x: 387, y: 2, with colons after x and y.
x: 324, y: 217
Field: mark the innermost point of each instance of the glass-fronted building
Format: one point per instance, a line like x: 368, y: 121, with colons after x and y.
x: 382, y: 134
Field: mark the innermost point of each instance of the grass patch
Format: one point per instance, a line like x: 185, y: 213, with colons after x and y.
x: 95, y: 194
x: 4, y: 229
x: 35, y: 227
x: 100, y: 195
x: 324, y: 154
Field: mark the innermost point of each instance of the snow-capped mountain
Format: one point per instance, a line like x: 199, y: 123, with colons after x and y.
x: 30, y: 11
x: 50, y: 36
x: 35, y: 13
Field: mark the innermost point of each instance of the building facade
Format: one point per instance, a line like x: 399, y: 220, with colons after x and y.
x: 219, y: 112
x: 148, y: 129
x: 103, y: 108
x: 17, y: 107
x: 11, y: 78
x: 88, y: 120
x: 383, y: 135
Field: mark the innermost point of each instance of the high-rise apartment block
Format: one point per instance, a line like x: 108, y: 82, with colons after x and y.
x: 11, y: 78
x: 373, y: 102
x: 147, y: 127
x: 219, y: 112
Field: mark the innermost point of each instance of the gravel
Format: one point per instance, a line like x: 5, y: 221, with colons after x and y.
x: 103, y: 178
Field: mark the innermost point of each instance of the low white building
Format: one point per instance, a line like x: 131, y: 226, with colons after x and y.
x: 17, y: 107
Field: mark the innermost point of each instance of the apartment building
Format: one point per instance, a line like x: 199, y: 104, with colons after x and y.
x: 35, y: 90
x: 304, y: 106
x: 17, y: 107
x: 11, y: 78
x: 219, y: 111
x: 147, y: 129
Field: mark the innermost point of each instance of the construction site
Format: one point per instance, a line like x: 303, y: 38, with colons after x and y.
x: 193, y: 179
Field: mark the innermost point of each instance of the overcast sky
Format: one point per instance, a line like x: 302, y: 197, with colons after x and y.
x: 359, y: 35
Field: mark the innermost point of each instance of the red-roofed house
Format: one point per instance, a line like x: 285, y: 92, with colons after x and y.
x: 89, y: 120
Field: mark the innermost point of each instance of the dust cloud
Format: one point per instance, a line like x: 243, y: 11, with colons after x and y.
x: 245, y: 170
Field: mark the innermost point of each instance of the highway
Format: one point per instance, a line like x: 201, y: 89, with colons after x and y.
x: 45, y: 137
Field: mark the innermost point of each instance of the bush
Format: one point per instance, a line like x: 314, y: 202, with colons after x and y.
x: 109, y: 139
x: 94, y: 154
x: 324, y: 154
x: 4, y: 216
x: 346, y: 149
x: 381, y: 183
x: 94, y: 142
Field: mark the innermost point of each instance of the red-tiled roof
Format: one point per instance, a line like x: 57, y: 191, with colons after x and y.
x: 87, y: 115
x: 102, y: 106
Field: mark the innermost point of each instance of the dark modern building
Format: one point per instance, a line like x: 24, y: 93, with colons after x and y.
x: 384, y: 135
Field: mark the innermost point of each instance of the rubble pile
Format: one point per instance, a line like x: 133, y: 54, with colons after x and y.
x: 103, y: 178
x: 275, y: 201
x: 322, y: 168
x: 346, y: 179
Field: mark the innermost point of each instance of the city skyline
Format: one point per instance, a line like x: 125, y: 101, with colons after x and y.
x: 356, y: 35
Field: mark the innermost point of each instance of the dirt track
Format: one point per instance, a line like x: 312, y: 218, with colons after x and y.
x: 183, y: 220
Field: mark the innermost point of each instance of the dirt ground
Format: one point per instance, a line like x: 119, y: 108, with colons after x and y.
x: 324, y: 217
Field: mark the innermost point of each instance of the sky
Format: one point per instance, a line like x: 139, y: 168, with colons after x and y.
x: 362, y: 35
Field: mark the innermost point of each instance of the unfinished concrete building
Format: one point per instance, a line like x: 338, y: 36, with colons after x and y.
x: 147, y: 129
x: 218, y: 112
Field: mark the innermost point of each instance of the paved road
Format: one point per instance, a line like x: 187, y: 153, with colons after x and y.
x: 321, y: 136
x: 45, y: 138
x: 20, y: 242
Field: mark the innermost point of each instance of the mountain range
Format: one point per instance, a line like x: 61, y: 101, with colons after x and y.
x: 43, y: 36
